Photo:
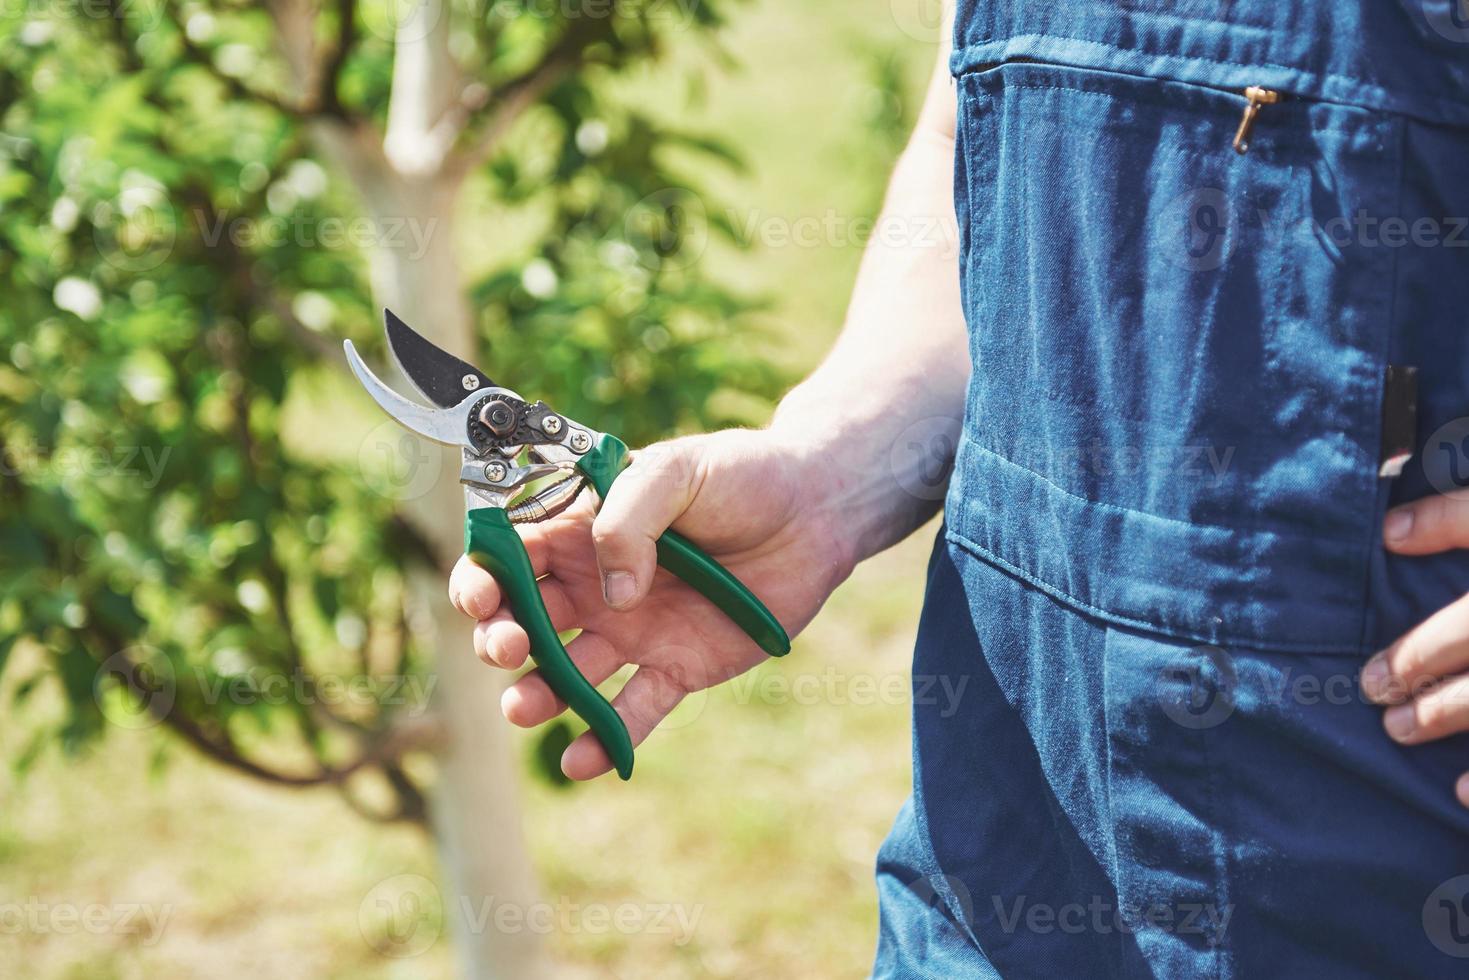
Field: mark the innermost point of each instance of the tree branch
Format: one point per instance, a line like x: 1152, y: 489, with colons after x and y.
x: 485, y: 114
x: 328, y: 92
x: 240, y: 267
x: 426, y: 83
x: 383, y: 751
x: 198, y: 56
x: 218, y: 746
x: 411, y: 805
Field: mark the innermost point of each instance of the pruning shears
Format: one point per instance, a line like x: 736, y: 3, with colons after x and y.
x: 509, y: 443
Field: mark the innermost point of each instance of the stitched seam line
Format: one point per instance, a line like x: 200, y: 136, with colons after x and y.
x: 1384, y: 488
x: 1226, y: 99
x: 989, y: 557
x: 960, y: 65
x: 1119, y: 509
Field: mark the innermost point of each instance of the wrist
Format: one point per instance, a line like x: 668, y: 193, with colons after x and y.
x: 875, y: 471
x: 848, y: 506
x: 810, y: 465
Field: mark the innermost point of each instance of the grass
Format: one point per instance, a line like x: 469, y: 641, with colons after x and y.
x: 756, y: 816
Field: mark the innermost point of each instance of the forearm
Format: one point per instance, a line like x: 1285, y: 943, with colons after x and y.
x: 882, y: 410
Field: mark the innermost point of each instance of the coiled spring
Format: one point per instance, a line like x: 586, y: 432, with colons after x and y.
x: 547, y: 501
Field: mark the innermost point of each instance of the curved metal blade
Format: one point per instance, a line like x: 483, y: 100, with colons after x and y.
x: 438, y: 375
x: 440, y: 425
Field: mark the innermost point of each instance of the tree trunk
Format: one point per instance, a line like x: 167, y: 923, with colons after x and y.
x: 410, y: 198
x: 476, y: 804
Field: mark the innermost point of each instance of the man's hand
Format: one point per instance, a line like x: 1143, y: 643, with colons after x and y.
x: 790, y: 509
x: 1424, y: 676
x: 748, y: 499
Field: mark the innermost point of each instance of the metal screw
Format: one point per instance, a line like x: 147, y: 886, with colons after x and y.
x: 580, y: 441
x: 495, y: 471
x: 551, y: 425
x: 470, y: 382
x: 498, y: 416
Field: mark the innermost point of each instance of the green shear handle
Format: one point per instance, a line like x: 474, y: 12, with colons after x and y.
x: 493, y: 543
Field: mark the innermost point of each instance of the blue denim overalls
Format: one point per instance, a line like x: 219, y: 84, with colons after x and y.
x: 1161, y: 568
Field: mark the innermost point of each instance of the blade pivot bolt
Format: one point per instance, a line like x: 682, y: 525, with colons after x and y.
x: 470, y: 382
x: 580, y: 441
x: 551, y: 425
x: 498, y: 416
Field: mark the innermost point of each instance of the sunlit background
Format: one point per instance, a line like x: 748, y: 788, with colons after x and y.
x: 657, y: 210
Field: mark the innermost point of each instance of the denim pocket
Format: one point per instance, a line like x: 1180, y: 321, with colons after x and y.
x: 1178, y: 350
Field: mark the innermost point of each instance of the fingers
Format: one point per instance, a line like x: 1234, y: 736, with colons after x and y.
x: 1427, y: 526
x: 502, y: 642
x: 530, y: 702
x: 645, y: 700
x: 1436, y: 648
x: 1440, y: 711
x: 654, y: 490
x: 473, y: 591
x: 1422, y: 676
x: 1408, y: 674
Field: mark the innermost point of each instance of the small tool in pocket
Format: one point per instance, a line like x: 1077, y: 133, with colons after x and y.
x: 1399, y: 419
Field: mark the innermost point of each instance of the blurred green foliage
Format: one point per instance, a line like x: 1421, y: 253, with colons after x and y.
x: 174, y: 281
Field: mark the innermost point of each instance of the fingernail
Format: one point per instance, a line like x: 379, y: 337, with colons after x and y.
x: 1375, y: 677
x: 1399, y: 721
x: 510, y: 702
x: 1398, y: 525
x: 1461, y: 789
x: 474, y: 607
x: 619, y: 588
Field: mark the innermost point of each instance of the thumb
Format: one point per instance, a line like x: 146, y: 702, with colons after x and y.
x: 1433, y: 524
x: 657, y: 486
